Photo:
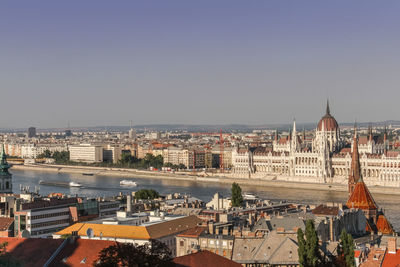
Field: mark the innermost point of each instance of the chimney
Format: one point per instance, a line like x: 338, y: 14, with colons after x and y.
x: 129, y: 203
x: 211, y: 227
x: 392, y: 245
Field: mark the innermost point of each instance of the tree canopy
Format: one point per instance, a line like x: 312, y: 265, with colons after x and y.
x: 146, y: 194
x: 346, y: 249
x: 128, y: 254
x: 237, y: 198
x: 6, y: 259
x: 308, y: 250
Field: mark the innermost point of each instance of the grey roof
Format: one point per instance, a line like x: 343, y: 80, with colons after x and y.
x: 288, y: 223
x: 276, y: 248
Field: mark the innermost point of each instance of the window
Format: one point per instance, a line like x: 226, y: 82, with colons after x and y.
x: 181, y: 243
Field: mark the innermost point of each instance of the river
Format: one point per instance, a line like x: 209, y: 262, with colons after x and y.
x: 97, y: 185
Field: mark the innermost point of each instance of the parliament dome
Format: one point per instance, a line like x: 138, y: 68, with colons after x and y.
x: 329, y: 122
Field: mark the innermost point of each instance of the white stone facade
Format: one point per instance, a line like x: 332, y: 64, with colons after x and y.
x: 291, y: 160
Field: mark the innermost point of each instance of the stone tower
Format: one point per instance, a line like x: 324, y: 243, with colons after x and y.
x: 5, y: 176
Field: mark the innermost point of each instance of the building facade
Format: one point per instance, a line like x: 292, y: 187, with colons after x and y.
x: 86, y: 153
x: 325, y: 161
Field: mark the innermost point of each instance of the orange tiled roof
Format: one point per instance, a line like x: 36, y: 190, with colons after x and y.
x: 392, y: 259
x: 194, y: 232
x: 383, y: 225
x: 153, y: 231
x: 204, y: 258
x: 361, y: 198
x: 31, y: 251
x: 5, y: 223
x: 82, y: 252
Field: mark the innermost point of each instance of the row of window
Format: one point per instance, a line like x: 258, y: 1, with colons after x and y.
x: 45, y: 224
x: 48, y: 215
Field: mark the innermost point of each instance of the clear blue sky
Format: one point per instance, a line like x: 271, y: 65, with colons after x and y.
x: 198, y: 62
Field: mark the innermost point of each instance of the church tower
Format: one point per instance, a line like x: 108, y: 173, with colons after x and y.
x: 355, y: 171
x: 5, y: 176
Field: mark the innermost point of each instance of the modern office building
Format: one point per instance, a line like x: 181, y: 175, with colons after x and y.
x: 31, y: 132
x: 86, y: 153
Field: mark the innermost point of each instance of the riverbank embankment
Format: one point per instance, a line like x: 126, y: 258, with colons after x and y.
x: 184, y: 176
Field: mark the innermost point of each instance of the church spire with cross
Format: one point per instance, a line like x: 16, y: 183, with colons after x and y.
x: 5, y: 176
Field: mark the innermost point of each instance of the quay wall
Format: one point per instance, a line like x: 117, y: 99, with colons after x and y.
x: 219, y: 178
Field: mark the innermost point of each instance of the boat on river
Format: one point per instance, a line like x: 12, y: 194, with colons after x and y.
x: 60, y: 184
x: 128, y: 183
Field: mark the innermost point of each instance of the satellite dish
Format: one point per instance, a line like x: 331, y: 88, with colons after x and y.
x: 90, y: 232
x: 25, y: 234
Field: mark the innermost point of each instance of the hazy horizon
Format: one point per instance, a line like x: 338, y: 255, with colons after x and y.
x: 91, y: 63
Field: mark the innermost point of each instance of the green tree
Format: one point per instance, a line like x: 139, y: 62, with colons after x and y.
x: 346, y: 248
x: 147, y: 194
x: 127, y: 254
x: 237, y: 198
x: 6, y: 259
x: 61, y: 156
x: 302, y: 248
x: 308, y: 250
x: 312, y: 246
x: 45, y: 154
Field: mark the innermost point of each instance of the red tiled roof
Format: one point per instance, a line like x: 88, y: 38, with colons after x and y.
x: 391, y: 259
x: 31, y: 251
x: 204, y: 259
x: 363, y: 140
x: 193, y: 232
x: 81, y: 252
x: 383, y: 225
x: 345, y: 150
x: 325, y: 210
x: 361, y: 198
x: 5, y: 223
x: 330, y: 124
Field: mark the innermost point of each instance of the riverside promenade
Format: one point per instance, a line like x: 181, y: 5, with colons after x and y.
x: 199, y: 177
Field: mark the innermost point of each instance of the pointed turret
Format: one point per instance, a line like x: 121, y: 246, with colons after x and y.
x: 355, y: 171
x: 294, y: 133
x: 276, y: 135
x: 328, y: 111
x: 4, y: 166
x: 370, y: 132
x: 384, y: 140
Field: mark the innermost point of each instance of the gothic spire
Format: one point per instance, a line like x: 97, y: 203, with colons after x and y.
x: 355, y: 169
x: 328, y: 111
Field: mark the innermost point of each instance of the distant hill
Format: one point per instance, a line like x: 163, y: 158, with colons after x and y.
x: 205, y: 128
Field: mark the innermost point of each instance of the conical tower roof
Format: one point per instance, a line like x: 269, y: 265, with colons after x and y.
x: 355, y: 171
x: 361, y: 198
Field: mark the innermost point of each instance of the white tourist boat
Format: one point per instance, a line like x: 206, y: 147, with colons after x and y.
x: 74, y: 184
x: 127, y: 183
x: 249, y: 196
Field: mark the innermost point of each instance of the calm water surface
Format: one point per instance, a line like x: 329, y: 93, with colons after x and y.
x: 98, y: 185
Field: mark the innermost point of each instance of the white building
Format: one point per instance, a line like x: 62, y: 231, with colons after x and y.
x: 218, y: 202
x: 291, y: 159
x: 86, y: 153
x: 32, y: 151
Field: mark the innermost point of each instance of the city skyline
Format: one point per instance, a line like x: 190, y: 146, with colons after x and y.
x: 98, y: 63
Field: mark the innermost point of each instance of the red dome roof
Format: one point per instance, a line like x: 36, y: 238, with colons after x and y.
x: 330, y: 124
